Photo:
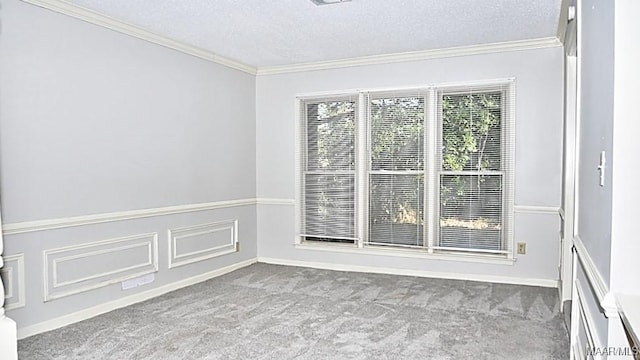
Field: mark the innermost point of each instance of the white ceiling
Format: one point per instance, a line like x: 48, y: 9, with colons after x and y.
x: 264, y: 33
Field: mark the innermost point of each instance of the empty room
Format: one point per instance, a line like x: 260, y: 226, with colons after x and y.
x: 319, y: 179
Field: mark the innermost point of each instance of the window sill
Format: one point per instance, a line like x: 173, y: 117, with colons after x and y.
x: 408, y: 253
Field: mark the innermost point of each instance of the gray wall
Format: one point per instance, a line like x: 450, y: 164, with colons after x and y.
x: 539, y: 89
x: 595, y: 134
x: 596, y: 52
x: 93, y: 121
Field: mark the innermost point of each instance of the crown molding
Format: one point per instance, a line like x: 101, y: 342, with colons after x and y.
x: 519, y: 45
x: 563, y: 20
x: 95, y: 18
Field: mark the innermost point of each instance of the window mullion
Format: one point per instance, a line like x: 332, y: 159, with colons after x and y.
x: 509, y: 164
x: 301, y: 149
x: 362, y: 166
x: 431, y: 166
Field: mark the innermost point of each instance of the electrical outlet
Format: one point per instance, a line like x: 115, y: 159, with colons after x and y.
x: 522, y: 248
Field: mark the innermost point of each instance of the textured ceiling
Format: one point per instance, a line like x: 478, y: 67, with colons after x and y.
x: 281, y: 32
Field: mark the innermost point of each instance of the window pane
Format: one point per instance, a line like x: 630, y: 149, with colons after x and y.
x: 397, y: 133
x: 471, y: 211
x: 329, y: 205
x: 331, y: 135
x: 471, y: 131
x: 396, y: 209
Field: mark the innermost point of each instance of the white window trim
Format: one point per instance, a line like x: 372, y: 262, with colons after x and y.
x: 431, y: 92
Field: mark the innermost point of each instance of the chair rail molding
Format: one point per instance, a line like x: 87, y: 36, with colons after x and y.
x: 606, y: 298
x: 59, y: 223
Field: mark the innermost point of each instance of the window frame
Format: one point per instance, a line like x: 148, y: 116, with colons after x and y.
x: 507, y: 171
x: 302, y: 126
x: 432, y: 154
x: 368, y: 97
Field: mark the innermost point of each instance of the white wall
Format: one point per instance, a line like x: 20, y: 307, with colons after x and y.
x: 626, y: 147
x: 92, y: 122
x: 539, y: 114
x: 95, y: 121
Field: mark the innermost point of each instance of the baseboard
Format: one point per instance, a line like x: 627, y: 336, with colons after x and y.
x: 126, y: 301
x: 408, y: 272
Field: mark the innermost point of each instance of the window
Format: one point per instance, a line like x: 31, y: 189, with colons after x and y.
x: 328, y: 174
x: 429, y: 169
x: 396, y: 170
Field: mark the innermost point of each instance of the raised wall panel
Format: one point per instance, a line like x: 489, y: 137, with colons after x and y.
x: 79, y: 268
x: 201, y: 242
x: 13, y: 280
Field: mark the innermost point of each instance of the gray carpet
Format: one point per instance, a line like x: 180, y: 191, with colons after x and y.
x: 279, y: 312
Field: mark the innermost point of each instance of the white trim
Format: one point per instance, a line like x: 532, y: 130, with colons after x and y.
x: 587, y: 319
x: 420, y: 253
x: 275, y: 201
x: 535, y: 209
x: 410, y: 272
x: 518, y: 45
x: 176, y: 234
x: 574, y: 325
x: 19, y: 260
x: 104, y: 21
x: 59, y: 223
x: 8, y: 341
x: 362, y: 166
x: 605, y: 298
x: 563, y: 20
x: 50, y: 273
x: 568, y: 213
x: 431, y: 140
x: 126, y: 301
x: 300, y: 138
x: 423, y: 89
x: 8, y: 282
x: 577, y: 353
x: 57, y: 261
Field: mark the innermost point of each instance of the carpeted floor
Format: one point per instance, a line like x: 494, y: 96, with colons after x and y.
x: 278, y: 312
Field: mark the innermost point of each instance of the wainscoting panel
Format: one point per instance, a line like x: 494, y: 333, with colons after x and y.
x: 13, y: 279
x: 79, y: 268
x: 201, y: 242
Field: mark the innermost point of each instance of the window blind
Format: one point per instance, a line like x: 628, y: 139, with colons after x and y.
x: 396, y: 172
x: 475, y: 175
x: 328, y: 163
